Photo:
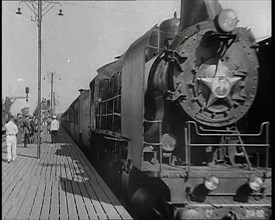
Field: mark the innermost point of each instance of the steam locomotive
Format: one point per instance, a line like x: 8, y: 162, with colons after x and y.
x: 165, y: 124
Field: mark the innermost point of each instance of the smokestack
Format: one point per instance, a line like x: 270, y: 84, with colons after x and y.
x: 194, y: 11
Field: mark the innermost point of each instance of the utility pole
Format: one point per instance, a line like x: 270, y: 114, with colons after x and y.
x: 37, y: 8
x: 39, y: 75
x: 54, y: 102
x: 52, y: 94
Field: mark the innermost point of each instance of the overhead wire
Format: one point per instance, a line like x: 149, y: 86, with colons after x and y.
x: 101, y: 8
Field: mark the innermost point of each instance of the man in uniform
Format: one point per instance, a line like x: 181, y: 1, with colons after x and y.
x: 26, y: 131
x: 11, y: 132
x: 54, y: 129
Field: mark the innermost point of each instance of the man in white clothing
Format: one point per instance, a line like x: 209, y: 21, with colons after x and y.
x: 11, y: 132
x: 54, y: 129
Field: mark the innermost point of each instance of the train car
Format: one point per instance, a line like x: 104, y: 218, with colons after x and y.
x: 77, y: 118
x: 166, y: 123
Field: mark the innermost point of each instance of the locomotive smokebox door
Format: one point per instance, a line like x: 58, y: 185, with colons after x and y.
x: 219, y: 77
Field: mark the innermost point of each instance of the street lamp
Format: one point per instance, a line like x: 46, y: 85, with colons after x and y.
x: 60, y: 12
x: 19, y: 11
x: 27, y: 91
x: 39, y: 8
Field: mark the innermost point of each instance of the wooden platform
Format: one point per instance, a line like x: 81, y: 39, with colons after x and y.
x: 62, y: 184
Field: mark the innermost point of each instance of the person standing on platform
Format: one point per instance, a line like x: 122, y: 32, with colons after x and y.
x: 54, y: 129
x: 19, y: 123
x: 11, y: 132
x: 27, y: 131
x: 35, y: 129
x: 31, y: 120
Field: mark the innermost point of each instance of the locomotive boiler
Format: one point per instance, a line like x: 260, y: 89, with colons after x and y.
x: 165, y: 123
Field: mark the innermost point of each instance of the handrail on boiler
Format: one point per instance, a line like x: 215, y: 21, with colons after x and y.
x: 222, y: 133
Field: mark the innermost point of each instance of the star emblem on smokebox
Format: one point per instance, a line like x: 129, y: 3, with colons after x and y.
x: 220, y: 85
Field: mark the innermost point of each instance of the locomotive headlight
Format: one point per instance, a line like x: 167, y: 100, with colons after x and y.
x: 211, y: 183
x: 227, y: 20
x: 255, y: 183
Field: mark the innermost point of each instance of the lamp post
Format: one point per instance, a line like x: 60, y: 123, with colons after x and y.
x: 38, y: 7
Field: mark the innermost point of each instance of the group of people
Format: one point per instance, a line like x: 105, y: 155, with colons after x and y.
x: 26, y: 128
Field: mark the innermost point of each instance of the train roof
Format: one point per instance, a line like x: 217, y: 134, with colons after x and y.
x: 85, y: 91
x: 108, y: 70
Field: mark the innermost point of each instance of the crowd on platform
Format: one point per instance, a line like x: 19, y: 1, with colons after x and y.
x: 24, y: 129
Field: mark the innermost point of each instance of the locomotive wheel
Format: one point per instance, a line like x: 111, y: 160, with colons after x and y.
x: 116, y: 176
x: 149, y: 206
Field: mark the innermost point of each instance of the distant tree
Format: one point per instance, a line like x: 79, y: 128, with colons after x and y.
x: 25, y: 111
x: 44, y: 107
x: 6, y: 106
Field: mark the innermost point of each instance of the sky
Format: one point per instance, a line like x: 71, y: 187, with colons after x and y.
x: 89, y: 35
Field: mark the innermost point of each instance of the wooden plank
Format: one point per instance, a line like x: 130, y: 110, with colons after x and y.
x: 37, y: 205
x: 118, y: 206
x: 48, y: 165
x: 105, y: 202
x: 35, y: 167
x: 6, y: 206
x: 99, y: 209
x: 17, y: 201
x: 25, y: 210
x: 69, y: 175
x: 74, y: 166
x: 81, y: 209
x: 71, y: 164
x: 39, y: 169
x: 54, y: 212
x: 14, y: 168
x: 8, y: 167
x: 30, y: 169
x: 70, y: 201
x: 45, y: 211
x: 63, y: 201
x: 79, y: 166
x: 48, y: 162
x: 102, y: 195
x: 93, y: 174
x: 32, y: 190
x: 88, y: 202
x: 53, y: 163
x: 14, y: 180
x: 59, y: 159
x: 12, y: 174
x: 63, y: 167
x: 120, y: 209
x: 57, y: 162
x: 42, y: 171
